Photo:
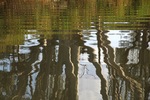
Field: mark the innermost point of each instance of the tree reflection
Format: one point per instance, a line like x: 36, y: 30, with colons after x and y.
x: 50, y: 70
x: 46, y: 66
x: 126, y: 71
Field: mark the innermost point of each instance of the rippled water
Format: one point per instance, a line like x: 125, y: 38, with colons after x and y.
x: 75, y: 50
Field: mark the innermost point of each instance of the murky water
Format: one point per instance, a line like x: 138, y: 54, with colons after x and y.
x: 75, y: 50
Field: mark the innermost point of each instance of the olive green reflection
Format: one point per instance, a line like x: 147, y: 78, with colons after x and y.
x: 41, y: 43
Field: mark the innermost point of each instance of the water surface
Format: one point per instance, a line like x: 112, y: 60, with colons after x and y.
x: 75, y: 50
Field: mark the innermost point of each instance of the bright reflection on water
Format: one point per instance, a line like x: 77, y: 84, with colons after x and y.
x: 74, y: 50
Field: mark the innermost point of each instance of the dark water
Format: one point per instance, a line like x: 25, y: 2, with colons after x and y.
x: 75, y: 50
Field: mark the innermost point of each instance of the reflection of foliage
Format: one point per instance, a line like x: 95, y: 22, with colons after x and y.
x: 48, y: 18
x: 62, y: 15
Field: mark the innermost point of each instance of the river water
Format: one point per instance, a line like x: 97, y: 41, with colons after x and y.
x: 75, y: 50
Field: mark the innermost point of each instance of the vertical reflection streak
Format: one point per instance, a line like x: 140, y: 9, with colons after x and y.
x: 30, y: 85
x: 70, y: 76
x: 111, y: 71
x: 109, y: 59
x: 97, y: 65
x: 68, y: 56
x: 144, y: 61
